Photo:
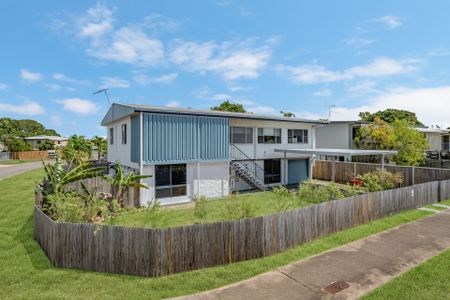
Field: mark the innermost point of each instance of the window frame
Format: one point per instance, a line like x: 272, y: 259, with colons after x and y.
x: 304, y: 135
x: 277, y: 139
x: 171, y: 187
x: 111, y: 135
x: 124, y: 129
x: 248, y: 135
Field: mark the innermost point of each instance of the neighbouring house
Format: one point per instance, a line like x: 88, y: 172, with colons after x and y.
x: 210, y: 153
x: 34, y: 141
x: 338, y: 135
x: 439, y: 141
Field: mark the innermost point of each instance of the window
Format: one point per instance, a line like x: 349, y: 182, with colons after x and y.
x: 272, y: 171
x: 111, y: 136
x: 124, y: 133
x: 297, y: 136
x: 170, y: 181
x: 241, y: 135
x: 269, y: 136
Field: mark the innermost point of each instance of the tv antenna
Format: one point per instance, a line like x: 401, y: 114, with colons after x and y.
x: 103, y: 91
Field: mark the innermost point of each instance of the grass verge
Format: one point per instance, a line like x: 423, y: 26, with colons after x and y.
x: 430, y: 280
x: 27, y: 273
x: 15, y: 161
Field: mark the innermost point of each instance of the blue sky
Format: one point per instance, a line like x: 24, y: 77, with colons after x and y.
x: 299, y: 56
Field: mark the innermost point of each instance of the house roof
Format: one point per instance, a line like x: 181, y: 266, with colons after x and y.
x: 118, y: 111
x: 433, y: 130
x: 46, y: 137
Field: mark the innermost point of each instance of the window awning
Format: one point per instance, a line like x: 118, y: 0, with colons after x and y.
x: 337, y: 152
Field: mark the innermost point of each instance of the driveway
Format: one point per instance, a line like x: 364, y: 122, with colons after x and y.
x: 11, y: 170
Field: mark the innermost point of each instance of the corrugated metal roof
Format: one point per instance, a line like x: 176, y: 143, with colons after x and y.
x: 118, y: 111
x: 46, y: 137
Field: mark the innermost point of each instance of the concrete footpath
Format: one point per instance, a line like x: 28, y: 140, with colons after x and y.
x: 11, y: 170
x: 349, y: 271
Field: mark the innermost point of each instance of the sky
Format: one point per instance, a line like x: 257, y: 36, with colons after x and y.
x: 271, y: 56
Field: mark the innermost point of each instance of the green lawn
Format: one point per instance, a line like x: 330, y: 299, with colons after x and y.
x: 26, y: 273
x: 15, y: 161
x: 430, y: 280
x: 262, y: 203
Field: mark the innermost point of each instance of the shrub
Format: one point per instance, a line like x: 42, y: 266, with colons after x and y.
x: 379, y: 180
x: 284, y: 199
x: 334, y: 191
x: 237, y: 208
x: 70, y: 207
x: 310, y: 193
x: 200, y: 209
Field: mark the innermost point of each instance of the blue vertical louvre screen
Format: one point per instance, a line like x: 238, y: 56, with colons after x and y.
x: 135, y: 138
x: 182, y: 138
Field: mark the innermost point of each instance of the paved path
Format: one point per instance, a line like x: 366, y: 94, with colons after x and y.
x: 11, y: 170
x: 361, y: 265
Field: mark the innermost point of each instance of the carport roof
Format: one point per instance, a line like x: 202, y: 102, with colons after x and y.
x: 337, y: 152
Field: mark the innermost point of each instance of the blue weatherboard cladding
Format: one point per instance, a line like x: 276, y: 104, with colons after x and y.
x: 183, y: 138
x: 135, y: 138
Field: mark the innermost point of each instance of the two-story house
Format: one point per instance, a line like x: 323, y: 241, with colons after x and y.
x: 201, y: 152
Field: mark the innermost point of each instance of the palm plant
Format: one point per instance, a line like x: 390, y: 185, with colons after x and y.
x: 78, y: 149
x: 100, y: 143
x: 123, y: 182
x: 58, y: 177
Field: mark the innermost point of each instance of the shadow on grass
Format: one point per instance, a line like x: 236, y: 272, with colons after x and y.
x: 37, y: 257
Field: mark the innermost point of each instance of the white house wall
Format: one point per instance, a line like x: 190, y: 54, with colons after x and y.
x: 210, y: 180
x: 435, y: 141
x: 334, y: 136
x: 266, y: 151
x: 118, y: 151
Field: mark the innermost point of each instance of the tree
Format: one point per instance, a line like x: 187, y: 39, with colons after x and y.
x: 400, y: 135
x: 101, y: 145
x: 231, y: 107
x: 287, y: 114
x: 390, y: 115
x: 46, y: 145
x: 17, y: 144
x: 78, y: 149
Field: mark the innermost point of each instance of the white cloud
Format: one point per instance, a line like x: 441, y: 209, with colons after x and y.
x: 114, y: 82
x: 71, y: 89
x: 323, y: 93
x: 28, y: 108
x: 173, y: 104
x: 206, y: 94
x: 358, y: 41
x: 391, y: 22
x: 159, y: 22
x: 30, y: 76
x: 3, y: 86
x: 97, y: 21
x: 231, y: 60
x: 64, y: 78
x: 430, y: 105
x: 129, y: 45
x: 362, y: 88
x: 163, y: 79
x: 79, y: 106
x: 381, y: 66
x: 56, y: 120
x: 53, y: 87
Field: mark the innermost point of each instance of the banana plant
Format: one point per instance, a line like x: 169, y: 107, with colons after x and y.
x: 57, y: 178
x: 123, y: 182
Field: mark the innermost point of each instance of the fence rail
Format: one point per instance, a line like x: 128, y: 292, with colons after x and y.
x: 345, y: 171
x: 158, y: 252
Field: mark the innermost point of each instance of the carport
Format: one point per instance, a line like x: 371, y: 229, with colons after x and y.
x: 333, y: 153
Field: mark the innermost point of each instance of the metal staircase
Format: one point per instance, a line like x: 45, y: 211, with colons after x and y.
x: 247, y: 169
